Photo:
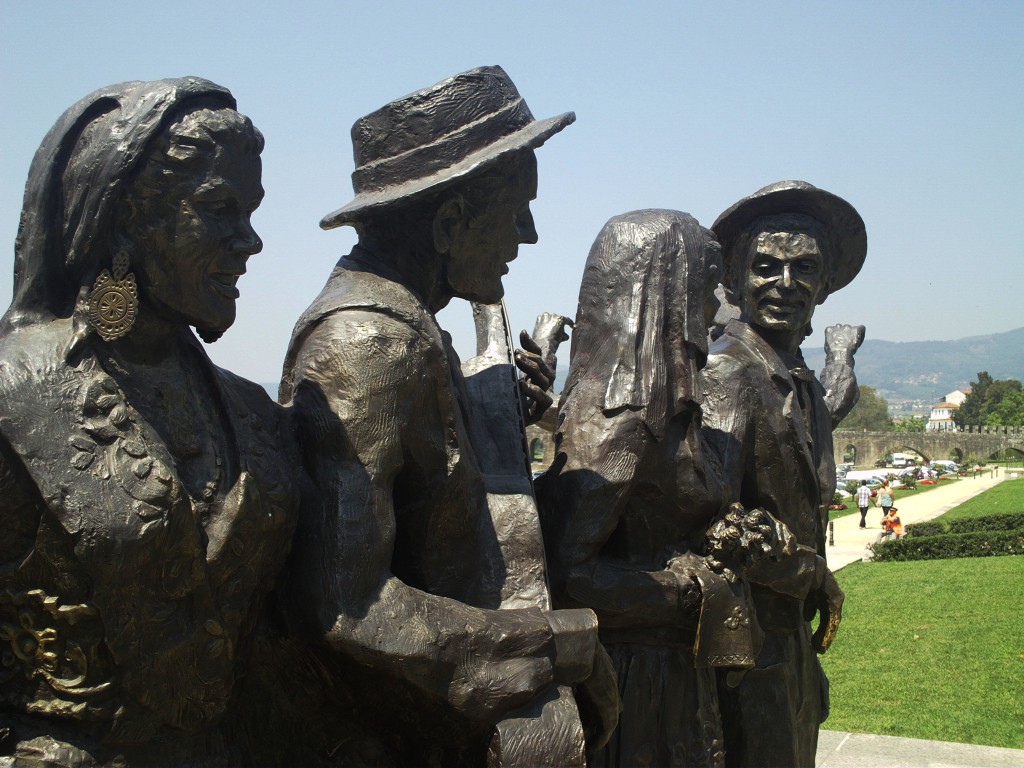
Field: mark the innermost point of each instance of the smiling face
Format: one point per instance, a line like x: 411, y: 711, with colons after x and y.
x: 488, y: 238
x: 190, y: 241
x: 785, y: 280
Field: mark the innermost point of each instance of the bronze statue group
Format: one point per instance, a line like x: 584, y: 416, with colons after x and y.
x: 364, y: 574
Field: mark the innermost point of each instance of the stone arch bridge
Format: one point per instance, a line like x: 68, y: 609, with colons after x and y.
x: 983, y: 442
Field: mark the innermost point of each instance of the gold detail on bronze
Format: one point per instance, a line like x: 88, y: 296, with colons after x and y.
x: 114, y: 300
x: 737, y: 619
x: 35, y: 642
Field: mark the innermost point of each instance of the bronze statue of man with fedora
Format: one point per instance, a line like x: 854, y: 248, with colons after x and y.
x: 786, y: 248
x: 394, y: 566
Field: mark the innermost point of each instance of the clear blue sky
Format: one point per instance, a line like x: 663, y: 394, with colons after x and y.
x: 913, y: 111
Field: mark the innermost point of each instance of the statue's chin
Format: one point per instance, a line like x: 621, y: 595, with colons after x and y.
x: 210, y: 335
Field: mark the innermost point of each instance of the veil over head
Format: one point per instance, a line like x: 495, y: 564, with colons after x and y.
x: 640, y: 322
x: 77, y: 177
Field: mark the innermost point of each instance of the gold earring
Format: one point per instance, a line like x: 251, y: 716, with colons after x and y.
x: 114, y: 300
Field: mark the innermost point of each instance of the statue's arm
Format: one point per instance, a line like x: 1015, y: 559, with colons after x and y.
x: 362, y: 405
x: 837, y: 375
x: 606, y: 461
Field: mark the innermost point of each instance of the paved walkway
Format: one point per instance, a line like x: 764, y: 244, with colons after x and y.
x: 837, y: 749
x: 851, y: 541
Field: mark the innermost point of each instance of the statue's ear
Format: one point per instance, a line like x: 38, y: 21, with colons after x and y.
x: 448, y: 217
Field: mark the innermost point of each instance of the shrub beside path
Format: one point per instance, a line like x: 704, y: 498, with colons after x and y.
x: 851, y: 541
x: 837, y: 749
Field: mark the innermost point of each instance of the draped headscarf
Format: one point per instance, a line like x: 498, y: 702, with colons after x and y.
x: 77, y: 177
x: 640, y: 322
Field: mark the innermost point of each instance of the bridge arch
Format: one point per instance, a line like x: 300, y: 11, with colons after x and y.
x: 869, y: 447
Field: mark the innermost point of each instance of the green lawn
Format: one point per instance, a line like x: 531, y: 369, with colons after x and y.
x: 931, y: 650
x: 1008, y: 496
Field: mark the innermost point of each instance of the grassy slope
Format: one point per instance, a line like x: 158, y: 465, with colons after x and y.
x: 931, y: 650
x: 1008, y: 496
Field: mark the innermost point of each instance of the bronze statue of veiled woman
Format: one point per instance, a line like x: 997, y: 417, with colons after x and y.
x: 145, y: 497
x: 635, y: 506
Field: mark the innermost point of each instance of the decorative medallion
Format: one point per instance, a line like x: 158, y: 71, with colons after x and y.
x: 114, y: 300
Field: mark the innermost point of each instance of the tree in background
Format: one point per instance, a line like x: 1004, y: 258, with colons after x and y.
x: 871, y: 413
x: 969, y: 412
x: 992, y: 402
x: 1009, y: 412
x: 910, y: 424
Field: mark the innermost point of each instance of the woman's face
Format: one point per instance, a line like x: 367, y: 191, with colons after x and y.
x: 191, y: 244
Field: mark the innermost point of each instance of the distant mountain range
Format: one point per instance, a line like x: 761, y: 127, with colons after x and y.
x: 919, y: 373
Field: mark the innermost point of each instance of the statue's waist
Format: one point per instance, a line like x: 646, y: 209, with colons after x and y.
x: 661, y: 636
x: 777, y: 612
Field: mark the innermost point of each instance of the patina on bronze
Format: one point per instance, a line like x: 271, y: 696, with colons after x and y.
x: 786, y: 247
x: 399, y: 563
x: 636, y: 512
x: 147, y: 497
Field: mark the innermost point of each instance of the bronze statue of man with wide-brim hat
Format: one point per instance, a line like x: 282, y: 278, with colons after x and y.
x: 396, y: 565
x: 786, y: 248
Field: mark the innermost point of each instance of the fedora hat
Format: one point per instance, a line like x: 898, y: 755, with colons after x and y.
x: 430, y: 139
x: 841, y: 221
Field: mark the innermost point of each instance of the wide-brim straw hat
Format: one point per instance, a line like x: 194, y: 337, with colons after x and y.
x: 841, y: 221
x: 434, y: 137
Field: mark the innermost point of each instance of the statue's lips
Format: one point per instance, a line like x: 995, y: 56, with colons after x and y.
x: 782, y: 308
x: 224, y: 284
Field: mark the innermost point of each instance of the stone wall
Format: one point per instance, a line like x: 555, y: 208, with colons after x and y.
x: 978, y: 441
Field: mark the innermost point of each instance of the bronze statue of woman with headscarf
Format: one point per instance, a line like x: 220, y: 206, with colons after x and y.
x: 636, y: 516
x: 145, y: 497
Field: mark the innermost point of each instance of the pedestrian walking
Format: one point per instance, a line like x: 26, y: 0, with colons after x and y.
x: 863, y: 502
x: 885, y: 498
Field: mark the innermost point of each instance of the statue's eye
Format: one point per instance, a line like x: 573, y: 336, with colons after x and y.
x: 218, y: 208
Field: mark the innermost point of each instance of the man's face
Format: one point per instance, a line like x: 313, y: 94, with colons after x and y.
x: 483, y: 244
x: 784, y: 282
x: 199, y: 238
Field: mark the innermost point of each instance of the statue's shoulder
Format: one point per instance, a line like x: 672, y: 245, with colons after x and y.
x: 33, y: 358
x: 363, y: 316
x: 365, y: 302
x: 733, y: 354
x: 363, y: 332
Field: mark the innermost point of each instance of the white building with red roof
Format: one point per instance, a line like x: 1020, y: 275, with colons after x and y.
x: 941, y: 419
